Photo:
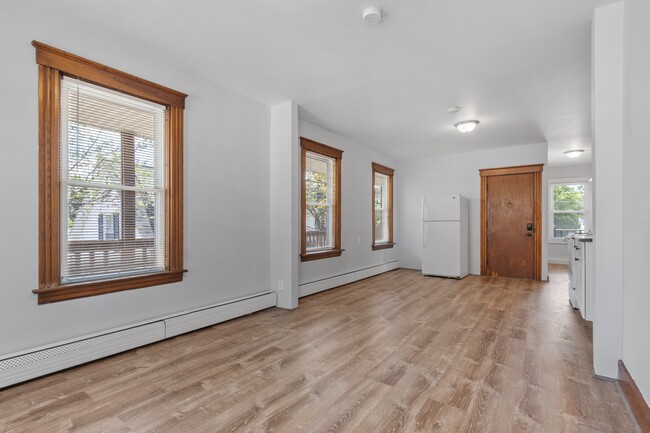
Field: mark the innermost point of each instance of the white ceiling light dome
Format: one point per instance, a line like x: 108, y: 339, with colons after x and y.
x: 573, y: 153
x: 467, y: 125
x: 372, y: 15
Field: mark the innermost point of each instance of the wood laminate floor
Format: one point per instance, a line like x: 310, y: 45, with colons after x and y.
x: 394, y: 353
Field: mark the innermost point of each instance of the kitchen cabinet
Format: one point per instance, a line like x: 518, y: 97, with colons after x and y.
x: 581, y: 287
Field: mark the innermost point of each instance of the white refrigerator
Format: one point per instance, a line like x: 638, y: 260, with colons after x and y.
x: 445, y: 236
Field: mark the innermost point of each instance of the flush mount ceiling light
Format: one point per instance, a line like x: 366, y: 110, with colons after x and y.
x: 573, y: 153
x: 466, y: 125
x: 372, y: 15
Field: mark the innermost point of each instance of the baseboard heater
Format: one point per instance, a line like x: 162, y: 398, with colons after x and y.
x: 313, y: 287
x: 30, y: 364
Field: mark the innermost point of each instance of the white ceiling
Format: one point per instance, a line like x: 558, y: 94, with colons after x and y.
x: 521, y: 67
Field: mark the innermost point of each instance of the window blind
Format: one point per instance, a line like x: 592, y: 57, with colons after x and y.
x: 112, y: 184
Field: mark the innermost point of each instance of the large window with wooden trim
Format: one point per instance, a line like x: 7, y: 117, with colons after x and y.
x: 321, y: 201
x: 110, y: 163
x: 570, y: 199
x: 382, y: 207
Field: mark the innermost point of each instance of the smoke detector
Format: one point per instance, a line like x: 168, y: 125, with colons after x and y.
x: 372, y: 15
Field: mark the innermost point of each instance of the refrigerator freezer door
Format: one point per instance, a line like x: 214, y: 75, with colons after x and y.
x: 441, y: 249
x: 441, y: 207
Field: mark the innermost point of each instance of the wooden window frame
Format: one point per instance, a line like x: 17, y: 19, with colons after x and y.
x: 53, y: 64
x: 378, y: 168
x: 308, y: 145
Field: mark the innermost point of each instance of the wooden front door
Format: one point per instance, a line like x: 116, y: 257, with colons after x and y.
x: 511, y: 229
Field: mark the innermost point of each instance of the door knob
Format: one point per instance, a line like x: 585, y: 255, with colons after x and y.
x: 529, y: 226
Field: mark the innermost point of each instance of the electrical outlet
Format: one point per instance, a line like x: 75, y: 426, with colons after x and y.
x: 280, y: 284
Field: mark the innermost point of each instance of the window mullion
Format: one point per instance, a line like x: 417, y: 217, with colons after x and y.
x: 119, y: 187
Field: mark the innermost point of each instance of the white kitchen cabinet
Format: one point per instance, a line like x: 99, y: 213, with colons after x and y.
x: 590, y: 304
x: 581, y: 284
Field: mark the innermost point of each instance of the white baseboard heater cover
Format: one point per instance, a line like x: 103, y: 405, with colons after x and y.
x: 183, y: 323
x: 39, y: 363
x: 311, y: 288
x: 29, y: 365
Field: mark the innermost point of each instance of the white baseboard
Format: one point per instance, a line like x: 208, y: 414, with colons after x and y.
x: 29, y: 364
x: 310, y: 288
x: 197, y: 319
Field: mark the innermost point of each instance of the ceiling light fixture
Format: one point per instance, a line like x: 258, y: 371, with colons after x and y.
x: 372, y: 15
x: 466, y: 125
x: 573, y: 153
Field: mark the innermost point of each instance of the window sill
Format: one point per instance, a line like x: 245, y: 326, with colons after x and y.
x: 383, y: 246
x: 83, y: 290
x: 321, y: 255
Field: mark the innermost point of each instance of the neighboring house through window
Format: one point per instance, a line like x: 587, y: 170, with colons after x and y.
x: 568, y: 208
x: 382, y: 207
x: 108, y: 226
x: 110, y: 179
x: 321, y: 201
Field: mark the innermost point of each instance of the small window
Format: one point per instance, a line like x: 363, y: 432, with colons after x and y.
x: 321, y: 198
x: 382, y: 207
x: 567, y: 208
x: 110, y: 179
x: 108, y: 226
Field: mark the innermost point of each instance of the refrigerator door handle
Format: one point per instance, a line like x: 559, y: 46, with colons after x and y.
x: 422, y: 228
x: 422, y: 237
x: 423, y: 216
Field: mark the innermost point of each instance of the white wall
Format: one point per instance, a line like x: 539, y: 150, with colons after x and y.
x: 285, y: 199
x: 227, y: 242
x: 636, y: 202
x: 607, y: 100
x: 356, y: 221
x: 458, y: 173
x: 568, y: 171
x: 557, y: 250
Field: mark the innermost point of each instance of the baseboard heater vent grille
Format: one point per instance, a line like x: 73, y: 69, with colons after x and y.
x: 34, y: 364
x: 25, y: 366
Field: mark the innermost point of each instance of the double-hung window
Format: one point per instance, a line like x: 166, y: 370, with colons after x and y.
x: 567, y: 209
x: 321, y: 201
x: 110, y: 179
x: 382, y: 207
x: 111, y: 173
